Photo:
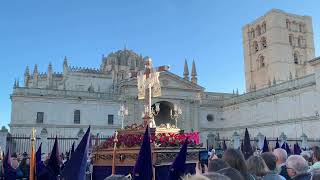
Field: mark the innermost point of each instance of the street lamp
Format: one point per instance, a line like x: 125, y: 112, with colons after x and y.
x: 175, y: 113
x: 123, y: 111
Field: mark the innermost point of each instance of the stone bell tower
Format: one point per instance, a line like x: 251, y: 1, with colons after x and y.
x: 277, y: 47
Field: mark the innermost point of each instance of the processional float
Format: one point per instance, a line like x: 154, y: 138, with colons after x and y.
x: 118, y: 153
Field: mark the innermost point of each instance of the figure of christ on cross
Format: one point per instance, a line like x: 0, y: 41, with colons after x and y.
x: 146, y: 80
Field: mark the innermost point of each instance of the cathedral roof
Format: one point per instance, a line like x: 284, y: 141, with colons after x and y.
x: 124, y: 57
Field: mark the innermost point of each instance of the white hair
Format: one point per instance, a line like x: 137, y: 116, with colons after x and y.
x: 306, y: 153
x: 281, y: 154
x: 298, y: 163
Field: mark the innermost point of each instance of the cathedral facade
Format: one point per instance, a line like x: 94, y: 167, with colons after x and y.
x: 282, y: 81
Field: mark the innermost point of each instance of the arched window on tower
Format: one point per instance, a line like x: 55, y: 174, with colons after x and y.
x: 288, y: 24
x: 264, y: 27
x: 258, y: 29
x: 301, y: 29
x: 261, y: 61
x: 263, y: 42
x: 255, y: 46
x: 291, y: 39
x: 76, y: 117
x: 296, y: 57
x: 294, y: 26
x: 300, y: 41
x: 252, y: 33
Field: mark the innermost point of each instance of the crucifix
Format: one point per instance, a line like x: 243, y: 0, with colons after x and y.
x: 149, y: 86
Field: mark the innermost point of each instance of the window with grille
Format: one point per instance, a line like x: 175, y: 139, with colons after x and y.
x: 76, y: 117
x: 110, y: 119
x: 40, y: 117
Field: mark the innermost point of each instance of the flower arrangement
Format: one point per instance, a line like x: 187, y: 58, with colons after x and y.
x: 160, y: 140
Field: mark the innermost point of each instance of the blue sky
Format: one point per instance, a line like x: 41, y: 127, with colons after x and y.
x: 42, y: 31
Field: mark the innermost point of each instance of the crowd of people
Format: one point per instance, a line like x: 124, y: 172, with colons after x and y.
x: 231, y: 165
x: 21, y: 164
x: 276, y: 165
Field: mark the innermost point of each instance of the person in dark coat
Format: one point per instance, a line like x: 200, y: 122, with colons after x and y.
x: 282, y: 156
x: 271, y: 161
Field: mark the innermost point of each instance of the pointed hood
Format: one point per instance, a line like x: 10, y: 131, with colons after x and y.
x: 241, y: 147
x: 288, y: 149
x: 277, y: 144
x: 296, y: 149
x: 68, y: 155
x: 178, y: 167
x: 75, y: 168
x: 247, y: 148
x: 9, y: 172
x: 54, y: 161
x: 39, y: 163
x: 265, y: 145
x: 224, y: 145
x: 143, y: 167
x: 283, y: 146
x: 72, y: 148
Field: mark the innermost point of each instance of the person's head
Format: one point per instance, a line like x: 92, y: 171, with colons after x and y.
x: 270, y: 159
x: 235, y: 160
x: 116, y: 177
x: 216, y: 164
x: 257, y: 166
x: 316, y: 154
x: 232, y: 173
x: 216, y: 176
x: 281, y: 155
x: 306, y: 155
x: 296, y: 165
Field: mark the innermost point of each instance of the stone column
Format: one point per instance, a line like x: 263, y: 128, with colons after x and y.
x: 3, y: 138
x: 236, y: 140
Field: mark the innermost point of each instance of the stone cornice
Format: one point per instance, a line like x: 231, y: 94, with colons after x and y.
x: 284, y: 87
x: 266, y: 124
x: 189, y: 85
x: 314, y: 61
x: 56, y: 93
x: 65, y: 126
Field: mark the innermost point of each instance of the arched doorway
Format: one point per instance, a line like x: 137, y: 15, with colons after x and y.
x: 165, y: 114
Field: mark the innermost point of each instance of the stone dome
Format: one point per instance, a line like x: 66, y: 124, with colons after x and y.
x: 124, y: 57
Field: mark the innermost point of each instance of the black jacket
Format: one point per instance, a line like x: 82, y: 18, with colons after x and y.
x: 306, y: 176
x: 284, y: 173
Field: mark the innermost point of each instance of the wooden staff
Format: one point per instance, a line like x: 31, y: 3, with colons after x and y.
x: 32, y: 156
x: 114, y: 153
